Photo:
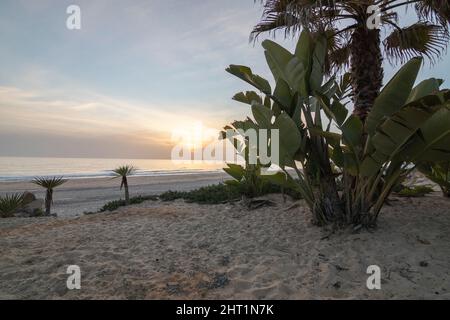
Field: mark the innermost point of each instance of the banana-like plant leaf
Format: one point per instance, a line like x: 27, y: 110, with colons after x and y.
x: 336, y: 111
x: 236, y: 171
x: 352, y: 132
x: 394, y: 95
x: 290, y: 138
x: 283, y: 95
x: 246, y: 74
x: 303, y: 51
x: 332, y: 138
x: 263, y: 116
x: 425, y: 88
x: 439, y: 173
x: 432, y: 142
x: 318, y: 67
x: 281, y: 179
x: 394, y: 134
x: 337, y: 156
x: 277, y: 58
x: 248, y: 97
x: 296, y: 76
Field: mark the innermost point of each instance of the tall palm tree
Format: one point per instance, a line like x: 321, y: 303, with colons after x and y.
x: 49, y: 184
x: 123, y: 172
x: 353, y: 43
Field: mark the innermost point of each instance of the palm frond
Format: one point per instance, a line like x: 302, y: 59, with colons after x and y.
x: 339, y: 58
x: 293, y: 15
x: 123, y: 171
x: 49, y: 183
x: 420, y: 39
x: 436, y: 11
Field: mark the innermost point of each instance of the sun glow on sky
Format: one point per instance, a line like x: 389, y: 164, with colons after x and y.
x: 123, y: 84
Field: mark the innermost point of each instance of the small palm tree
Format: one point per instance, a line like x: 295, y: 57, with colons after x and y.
x: 49, y: 184
x: 123, y: 172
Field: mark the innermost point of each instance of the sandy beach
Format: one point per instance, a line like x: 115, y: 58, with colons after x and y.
x: 187, y: 251
x: 88, y: 195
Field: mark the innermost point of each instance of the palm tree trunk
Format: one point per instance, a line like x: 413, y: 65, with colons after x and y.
x: 48, y: 202
x: 127, y: 193
x: 366, y: 69
x: 330, y: 203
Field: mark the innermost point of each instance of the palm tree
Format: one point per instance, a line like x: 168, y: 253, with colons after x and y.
x: 353, y: 43
x: 49, y: 184
x: 123, y: 172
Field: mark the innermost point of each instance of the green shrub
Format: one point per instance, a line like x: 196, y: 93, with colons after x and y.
x: 439, y: 173
x: 222, y: 193
x: 415, y: 192
x: 213, y: 194
x: 9, y: 204
x: 114, y: 205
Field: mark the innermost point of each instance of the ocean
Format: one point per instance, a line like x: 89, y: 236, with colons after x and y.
x: 24, y: 169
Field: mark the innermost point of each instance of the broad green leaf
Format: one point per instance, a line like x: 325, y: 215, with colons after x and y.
x: 290, y: 137
x: 283, y: 95
x: 296, y: 76
x: 337, y: 156
x: 280, y: 179
x: 352, y: 131
x: 318, y: 67
x: 425, y: 88
x: 246, y: 74
x: 340, y: 112
x: 247, y: 97
x: 236, y: 171
x: 333, y: 139
x: 263, y: 115
x: 394, y: 95
x: 432, y: 143
x: 396, y: 132
x: 277, y: 58
x: 303, y: 50
x: 267, y: 102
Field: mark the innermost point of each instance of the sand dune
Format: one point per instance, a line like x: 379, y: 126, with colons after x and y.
x: 182, y: 251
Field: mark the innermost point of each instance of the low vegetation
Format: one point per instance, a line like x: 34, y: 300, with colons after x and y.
x: 214, y: 194
x: 439, y: 173
x: 10, y: 204
x: 114, y: 205
x: 415, y: 191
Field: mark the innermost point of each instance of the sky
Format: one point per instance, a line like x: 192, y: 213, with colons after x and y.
x: 135, y: 72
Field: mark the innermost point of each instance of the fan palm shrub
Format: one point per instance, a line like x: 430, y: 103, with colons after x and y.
x: 327, y: 147
x: 10, y: 204
x: 356, y: 44
x: 439, y: 173
x: 123, y: 172
x: 49, y: 184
